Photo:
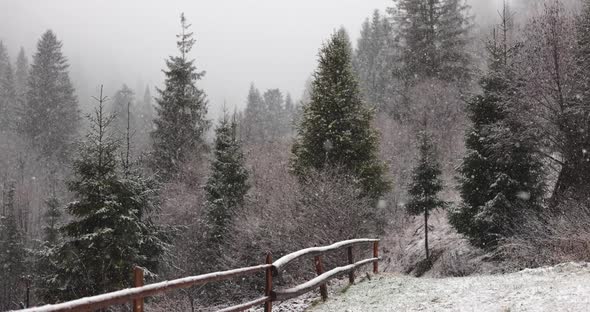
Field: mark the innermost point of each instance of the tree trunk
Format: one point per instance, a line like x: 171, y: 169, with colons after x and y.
x: 426, y: 233
x: 572, y: 183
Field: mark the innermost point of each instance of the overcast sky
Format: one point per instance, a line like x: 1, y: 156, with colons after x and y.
x: 273, y: 43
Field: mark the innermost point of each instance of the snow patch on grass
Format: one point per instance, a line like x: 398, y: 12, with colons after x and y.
x: 563, y: 287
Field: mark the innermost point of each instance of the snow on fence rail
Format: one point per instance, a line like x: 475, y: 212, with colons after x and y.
x: 137, y: 293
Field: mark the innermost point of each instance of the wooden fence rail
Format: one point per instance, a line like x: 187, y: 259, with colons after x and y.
x: 137, y: 294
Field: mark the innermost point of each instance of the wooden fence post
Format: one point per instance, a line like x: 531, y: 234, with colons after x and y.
x: 268, y: 284
x: 376, y: 255
x: 350, y: 261
x: 319, y: 268
x: 138, y: 282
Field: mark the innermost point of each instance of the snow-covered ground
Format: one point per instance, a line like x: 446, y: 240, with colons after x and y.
x: 565, y: 287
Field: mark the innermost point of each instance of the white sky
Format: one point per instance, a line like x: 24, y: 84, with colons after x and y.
x: 273, y: 43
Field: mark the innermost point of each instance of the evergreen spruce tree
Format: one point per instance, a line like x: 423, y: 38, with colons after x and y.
x: 289, y: 105
x: 12, y: 254
x: 274, y: 108
x: 50, y: 118
x: 433, y: 36
x: 7, y: 91
x: 289, y: 115
x: 374, y: 61
x: 336, y: 131
x: 500, y: 176
x: 148, y: 105
x: 21, y: 77
x: 124, y: 98
x: 572, y: 182
x: 110, y: 230
x: 21, y: 74
x: 254, y: 120
x: 180, y: 122
x: 228, y: 184
x: 426, y: 184
x: 45, y: 258
x: 53, y: 216
x: 146, y: 114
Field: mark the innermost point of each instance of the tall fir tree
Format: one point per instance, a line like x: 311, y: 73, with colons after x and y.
x: 53, y: 217
x: 51, y: 117
x: 336, y: 130
x: 426, y: 184
x: 110, y: 230
x: 181, y: 113
x: 21, y: 77
x: 274, y: 108
x: 375, y: 61
x: 289, y: 116
x: 148, y: 105
x: 501, y: 173
x: 433, y: 37
x: 574, y: 119
x: 228, y: 184
x: 12, y: 254
x: 7, y: 91
x: 144, y: 117
x: 123, y: 108
x: 254, y: 120
x: 21, y: 74
x: 45, y: 257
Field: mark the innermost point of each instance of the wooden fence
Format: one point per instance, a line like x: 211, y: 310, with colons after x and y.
x: 271, y: 269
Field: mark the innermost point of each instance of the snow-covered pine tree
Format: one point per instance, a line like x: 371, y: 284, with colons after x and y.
x: 228, y: 184
x: 500, y: 175
x: 7, y: 92
x: 51, y: 117
x: 335, y: 130
x: 181, y: 113
x: 12, y: 254
x: 110, y: 230
x: 426, y: 184
x: 433, y: 38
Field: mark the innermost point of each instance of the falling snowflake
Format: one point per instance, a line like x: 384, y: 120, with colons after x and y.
x: 523, y: 195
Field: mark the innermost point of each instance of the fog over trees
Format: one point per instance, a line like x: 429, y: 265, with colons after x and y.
x: 188, y: 138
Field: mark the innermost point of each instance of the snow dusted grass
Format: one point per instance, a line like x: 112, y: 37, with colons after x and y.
x: 564, y: 287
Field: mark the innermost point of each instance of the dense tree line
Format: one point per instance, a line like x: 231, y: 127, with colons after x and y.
x: 268, y: 117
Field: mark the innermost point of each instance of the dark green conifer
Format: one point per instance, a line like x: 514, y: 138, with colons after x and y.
x: 228, y: 184
x: 501, y: 173
x: 335, y: 130
x: 426, y: 184
x: 12, y: 254
x: 181, y: 113
x: 433, y: 38
x: 111, y: 229
x: 50, y: 117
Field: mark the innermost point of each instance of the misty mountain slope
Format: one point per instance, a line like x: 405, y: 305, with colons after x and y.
x: 560, y: 288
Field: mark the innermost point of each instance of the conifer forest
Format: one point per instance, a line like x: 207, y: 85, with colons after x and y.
x: 189, y: 137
